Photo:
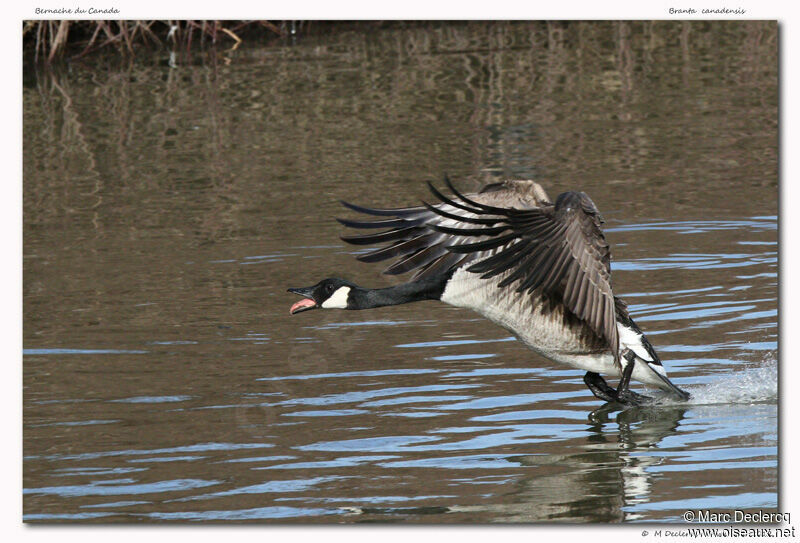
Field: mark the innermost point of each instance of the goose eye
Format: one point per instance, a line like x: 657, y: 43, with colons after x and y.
x: 329, y: 288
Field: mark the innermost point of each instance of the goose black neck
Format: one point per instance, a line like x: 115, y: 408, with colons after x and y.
x: 415, y: 291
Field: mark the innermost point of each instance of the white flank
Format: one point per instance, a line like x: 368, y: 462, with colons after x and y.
x: 658, y: 369
x: 630, y: 338
x: 545, y: 334
x: 338, y: 299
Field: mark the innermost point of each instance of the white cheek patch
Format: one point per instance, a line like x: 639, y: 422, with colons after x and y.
x: 338, y: 299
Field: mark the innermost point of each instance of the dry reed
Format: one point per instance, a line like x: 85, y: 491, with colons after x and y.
x: 49, y: 40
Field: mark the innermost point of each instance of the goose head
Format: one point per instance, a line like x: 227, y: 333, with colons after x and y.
x: 330, y: 293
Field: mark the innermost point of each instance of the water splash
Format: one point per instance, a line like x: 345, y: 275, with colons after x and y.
x: 750, y: 384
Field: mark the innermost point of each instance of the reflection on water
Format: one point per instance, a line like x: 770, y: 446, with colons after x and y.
x: 168, y: 208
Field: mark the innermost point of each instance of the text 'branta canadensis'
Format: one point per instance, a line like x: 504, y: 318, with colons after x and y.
x: 539, y: 269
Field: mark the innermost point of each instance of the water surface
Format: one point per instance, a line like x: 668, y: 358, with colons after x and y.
x: 169, y: 204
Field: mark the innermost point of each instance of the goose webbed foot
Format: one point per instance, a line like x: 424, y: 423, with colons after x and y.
x: 622, y: 394
x: 629, y: 397
x: 599, y: 387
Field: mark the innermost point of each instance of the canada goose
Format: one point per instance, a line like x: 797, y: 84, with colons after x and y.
x: 540, y: 270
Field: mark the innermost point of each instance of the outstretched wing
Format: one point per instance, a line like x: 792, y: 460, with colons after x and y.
x: 411, y: 236
x: 556, y: 250
x: 411, y: 239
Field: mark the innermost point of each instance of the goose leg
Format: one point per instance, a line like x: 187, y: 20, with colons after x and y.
x: 622, y: 394
x: 599, y: 387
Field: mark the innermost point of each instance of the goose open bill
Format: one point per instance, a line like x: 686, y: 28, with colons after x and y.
x: 540, y: 270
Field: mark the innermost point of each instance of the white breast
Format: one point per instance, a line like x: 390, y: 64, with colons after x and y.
x: 541, y: 328
x: 545, y: 330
